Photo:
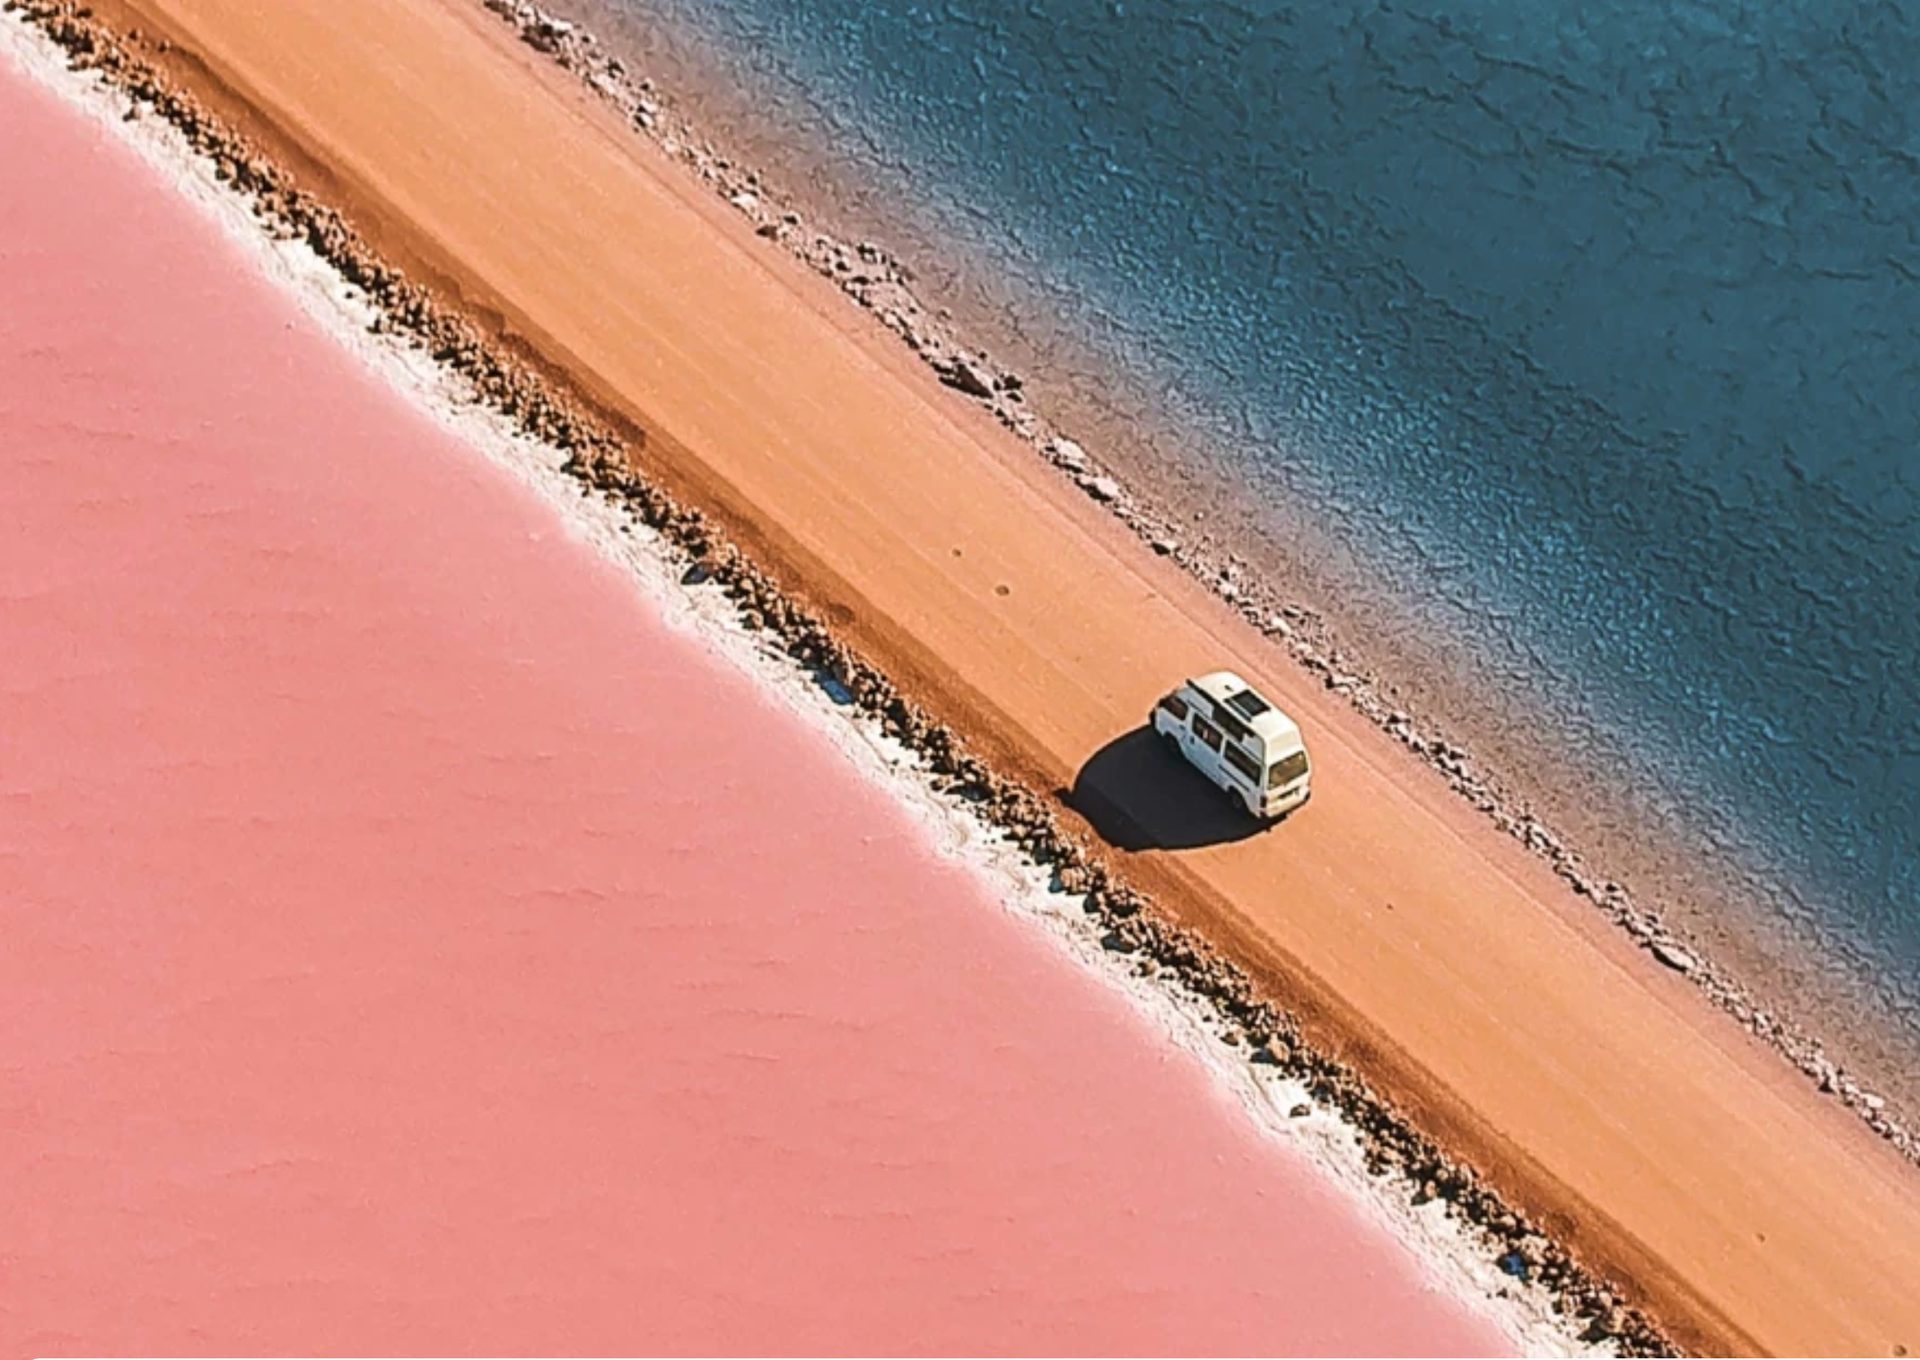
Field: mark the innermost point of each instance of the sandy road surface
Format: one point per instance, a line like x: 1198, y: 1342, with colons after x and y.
x: 1426, y: 947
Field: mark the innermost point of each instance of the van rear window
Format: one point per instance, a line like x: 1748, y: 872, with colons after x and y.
x: 1287, y: 769
x: 1175, y: 705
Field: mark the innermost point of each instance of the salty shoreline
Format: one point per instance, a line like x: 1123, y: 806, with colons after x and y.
x: 467, y: 349
x: 879, y: 283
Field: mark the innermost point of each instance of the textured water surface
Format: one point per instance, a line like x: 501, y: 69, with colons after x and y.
x: 1584, y: 336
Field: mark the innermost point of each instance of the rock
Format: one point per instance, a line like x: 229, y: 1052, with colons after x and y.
x: 1300, y: 1111
x: 547, y: 33
x: 1068, y: 455
x: 1675, y: 957
x: 1103, y: 489
x: 968, y: 377
x: 1166, y: 547
x: 744, y: 201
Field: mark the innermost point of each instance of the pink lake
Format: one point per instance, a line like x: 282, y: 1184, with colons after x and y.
x: 412, y: 945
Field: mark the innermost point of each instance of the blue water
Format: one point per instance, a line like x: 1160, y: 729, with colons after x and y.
x: 1593, y: 331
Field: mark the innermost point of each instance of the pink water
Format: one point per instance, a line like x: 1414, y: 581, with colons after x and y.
x: 411, y: 946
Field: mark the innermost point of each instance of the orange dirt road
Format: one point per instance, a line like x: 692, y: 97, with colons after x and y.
x: 1422, y: 944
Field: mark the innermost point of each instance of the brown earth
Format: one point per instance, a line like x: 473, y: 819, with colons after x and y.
x: 1597, y: 1091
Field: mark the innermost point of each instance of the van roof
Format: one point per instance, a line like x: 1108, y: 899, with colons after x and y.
x: 1277, y: 732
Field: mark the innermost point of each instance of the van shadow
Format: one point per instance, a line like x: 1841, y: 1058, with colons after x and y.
x: 1138, y: 794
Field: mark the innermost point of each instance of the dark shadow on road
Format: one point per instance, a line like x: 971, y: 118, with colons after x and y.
x: 1140, y: 795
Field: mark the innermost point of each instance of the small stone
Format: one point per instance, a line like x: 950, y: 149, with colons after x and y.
x: 744, y: 201
x: 548, y: 33
x: 1069, y: 455
x: 1300, y: 1111
x: 967, y: 376
x: 1675, y: 957
x: 1103, y: 489
x: 1166, y: 547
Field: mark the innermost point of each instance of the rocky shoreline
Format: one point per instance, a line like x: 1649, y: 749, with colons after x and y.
x: 1595, y: 1309
x: 879, y: 283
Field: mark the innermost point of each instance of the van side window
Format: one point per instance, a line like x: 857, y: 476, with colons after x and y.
x: 1236, y: 729
x: 1175, y: 705
x: 1243, y: 764
x: 1207, y: 732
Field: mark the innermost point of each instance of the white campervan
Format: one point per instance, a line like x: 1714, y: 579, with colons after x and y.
x: 1239, y: 741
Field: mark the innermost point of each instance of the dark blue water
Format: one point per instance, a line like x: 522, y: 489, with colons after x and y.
x: 1593, y: 331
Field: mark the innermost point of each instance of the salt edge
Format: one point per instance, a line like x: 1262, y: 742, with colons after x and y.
x: 1455, y: 1264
